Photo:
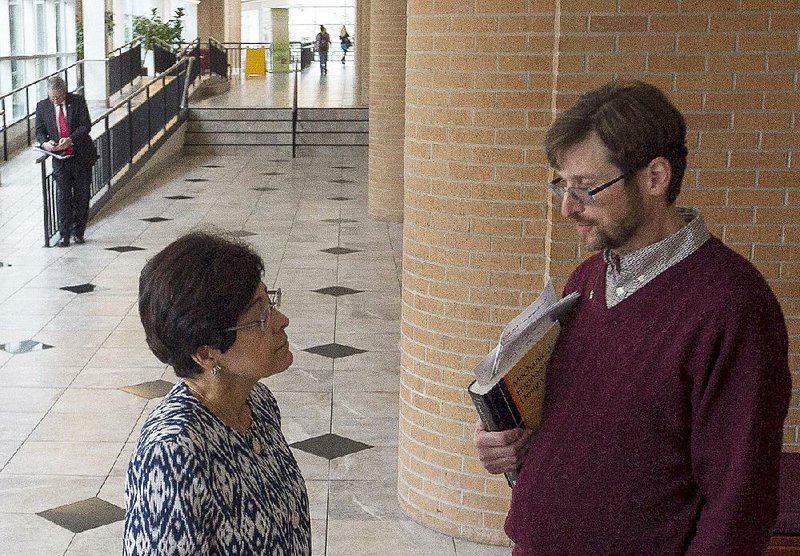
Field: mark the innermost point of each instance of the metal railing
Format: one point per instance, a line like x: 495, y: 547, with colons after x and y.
x: 124, y: 67
x: 236, y: 54
x: 126, y: 144
x: 31, y: 112
x: 164, y: 56
x: 217, y: 58
x: 117, y: 51
x: 294, y: 110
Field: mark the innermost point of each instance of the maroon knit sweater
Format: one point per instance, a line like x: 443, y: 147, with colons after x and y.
x: 663, y: 418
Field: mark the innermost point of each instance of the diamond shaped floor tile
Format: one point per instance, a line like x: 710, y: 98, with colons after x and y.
x: 25, y: 346
x: 80, y: 288
x: 330, y: 446
x: 178, y: 197
x: 4, y: 264
x: 340, y: 199
x: 272, y: 174
x: 334, y: 351
x: 344, y: 167
x: 149, y: 390
x: 264, y: 188
x: 339, y: 250
x: 155, y: 219
x: 337, y: 291
x: 339, y: 220
x: 341, y: 181
x: 195, y: 179
x: 243, y: 233
x: 212, y: 166
x: 84, y: 515
x: 124, y: 248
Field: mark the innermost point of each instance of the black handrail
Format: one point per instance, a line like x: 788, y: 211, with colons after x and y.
x: 294, y: 113
x: 128, y: 44
x: 217, y: 58
x: 28, y: 113
x: 127, y: 138
x: 124, y: 68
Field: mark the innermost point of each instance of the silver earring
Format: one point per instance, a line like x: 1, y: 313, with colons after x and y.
x: 216, y: 369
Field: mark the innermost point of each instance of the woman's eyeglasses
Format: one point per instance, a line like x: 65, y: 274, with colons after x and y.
x: 274, y: 297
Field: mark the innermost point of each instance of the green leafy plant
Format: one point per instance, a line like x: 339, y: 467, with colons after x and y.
x: 148, y: 29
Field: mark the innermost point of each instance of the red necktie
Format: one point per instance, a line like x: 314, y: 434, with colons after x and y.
x: 62, y: 127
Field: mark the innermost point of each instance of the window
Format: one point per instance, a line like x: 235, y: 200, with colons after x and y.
x: 41, y: 28
x: 16, y: 27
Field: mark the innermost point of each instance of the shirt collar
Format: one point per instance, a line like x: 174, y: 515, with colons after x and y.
x: 664, y: 253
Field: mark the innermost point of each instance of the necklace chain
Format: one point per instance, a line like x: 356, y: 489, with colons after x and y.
x: 211, y: 405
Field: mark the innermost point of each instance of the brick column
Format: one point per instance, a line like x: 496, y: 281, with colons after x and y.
x: 478, y: 100
x: 387, y: 108
x: 733, y: 68
x: 483, y: 81
x: 362, y: 46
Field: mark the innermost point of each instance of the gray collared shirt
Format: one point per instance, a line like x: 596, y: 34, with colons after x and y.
x: 631, y: 271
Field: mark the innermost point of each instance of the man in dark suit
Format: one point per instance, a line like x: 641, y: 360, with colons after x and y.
x: 62, y: 127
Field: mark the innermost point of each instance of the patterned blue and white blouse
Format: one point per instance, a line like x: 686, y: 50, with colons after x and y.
x: 197, y: 486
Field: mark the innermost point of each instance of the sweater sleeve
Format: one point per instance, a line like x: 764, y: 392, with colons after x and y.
x: 166, y: 503
x: 738, y: 409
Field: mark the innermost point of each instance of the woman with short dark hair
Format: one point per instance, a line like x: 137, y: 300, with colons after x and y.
x: 211, y: 472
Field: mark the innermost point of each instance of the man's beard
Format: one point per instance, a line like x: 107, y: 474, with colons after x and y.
x: 615, y: 234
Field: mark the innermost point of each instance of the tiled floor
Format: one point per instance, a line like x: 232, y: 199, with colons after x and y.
x: 70, y: 413
x: 274, y: 90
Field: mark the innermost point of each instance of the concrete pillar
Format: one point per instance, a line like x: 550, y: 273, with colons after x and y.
x: 477, y: 219
x: 94, y: 50
x: 362, y: 50
x: 387, y: 108
x: 211, y: 20
x: 233, y: 21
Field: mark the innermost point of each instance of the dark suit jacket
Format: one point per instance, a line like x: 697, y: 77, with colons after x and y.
x: 78, y: 126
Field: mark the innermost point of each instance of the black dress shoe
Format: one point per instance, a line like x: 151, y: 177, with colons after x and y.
x: 78, y: 239
x: 63, y: 242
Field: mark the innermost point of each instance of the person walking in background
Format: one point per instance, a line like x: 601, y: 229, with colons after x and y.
x: 323, y: 44
x: 344, y: 42
x: 62, y: 127
x: 668, y: 387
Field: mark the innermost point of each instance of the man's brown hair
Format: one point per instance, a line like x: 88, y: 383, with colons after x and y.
x: 635, y: 121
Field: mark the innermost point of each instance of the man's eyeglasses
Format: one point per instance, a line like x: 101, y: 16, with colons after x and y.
x: 274, y: 297
x: 584, y: 195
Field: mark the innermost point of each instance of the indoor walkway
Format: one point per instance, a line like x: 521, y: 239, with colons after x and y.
x: 77, y: 380
x: 334, y: 89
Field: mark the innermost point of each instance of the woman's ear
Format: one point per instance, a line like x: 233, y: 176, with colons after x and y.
x: 205, y: 356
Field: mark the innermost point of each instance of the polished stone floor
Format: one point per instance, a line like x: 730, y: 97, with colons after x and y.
x: 77, y: 380
x: 334, y: 89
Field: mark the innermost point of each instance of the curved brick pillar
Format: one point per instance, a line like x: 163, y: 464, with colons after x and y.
x: 387, y: 108
x: 363, y: 26
x: 478, y: 101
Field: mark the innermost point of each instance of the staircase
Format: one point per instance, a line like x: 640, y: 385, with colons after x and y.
x: 319, y: 131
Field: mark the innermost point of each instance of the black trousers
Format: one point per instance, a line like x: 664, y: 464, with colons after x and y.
x: 73, y: 182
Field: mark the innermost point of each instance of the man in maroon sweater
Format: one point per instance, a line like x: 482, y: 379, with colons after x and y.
x: 667, y: 390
